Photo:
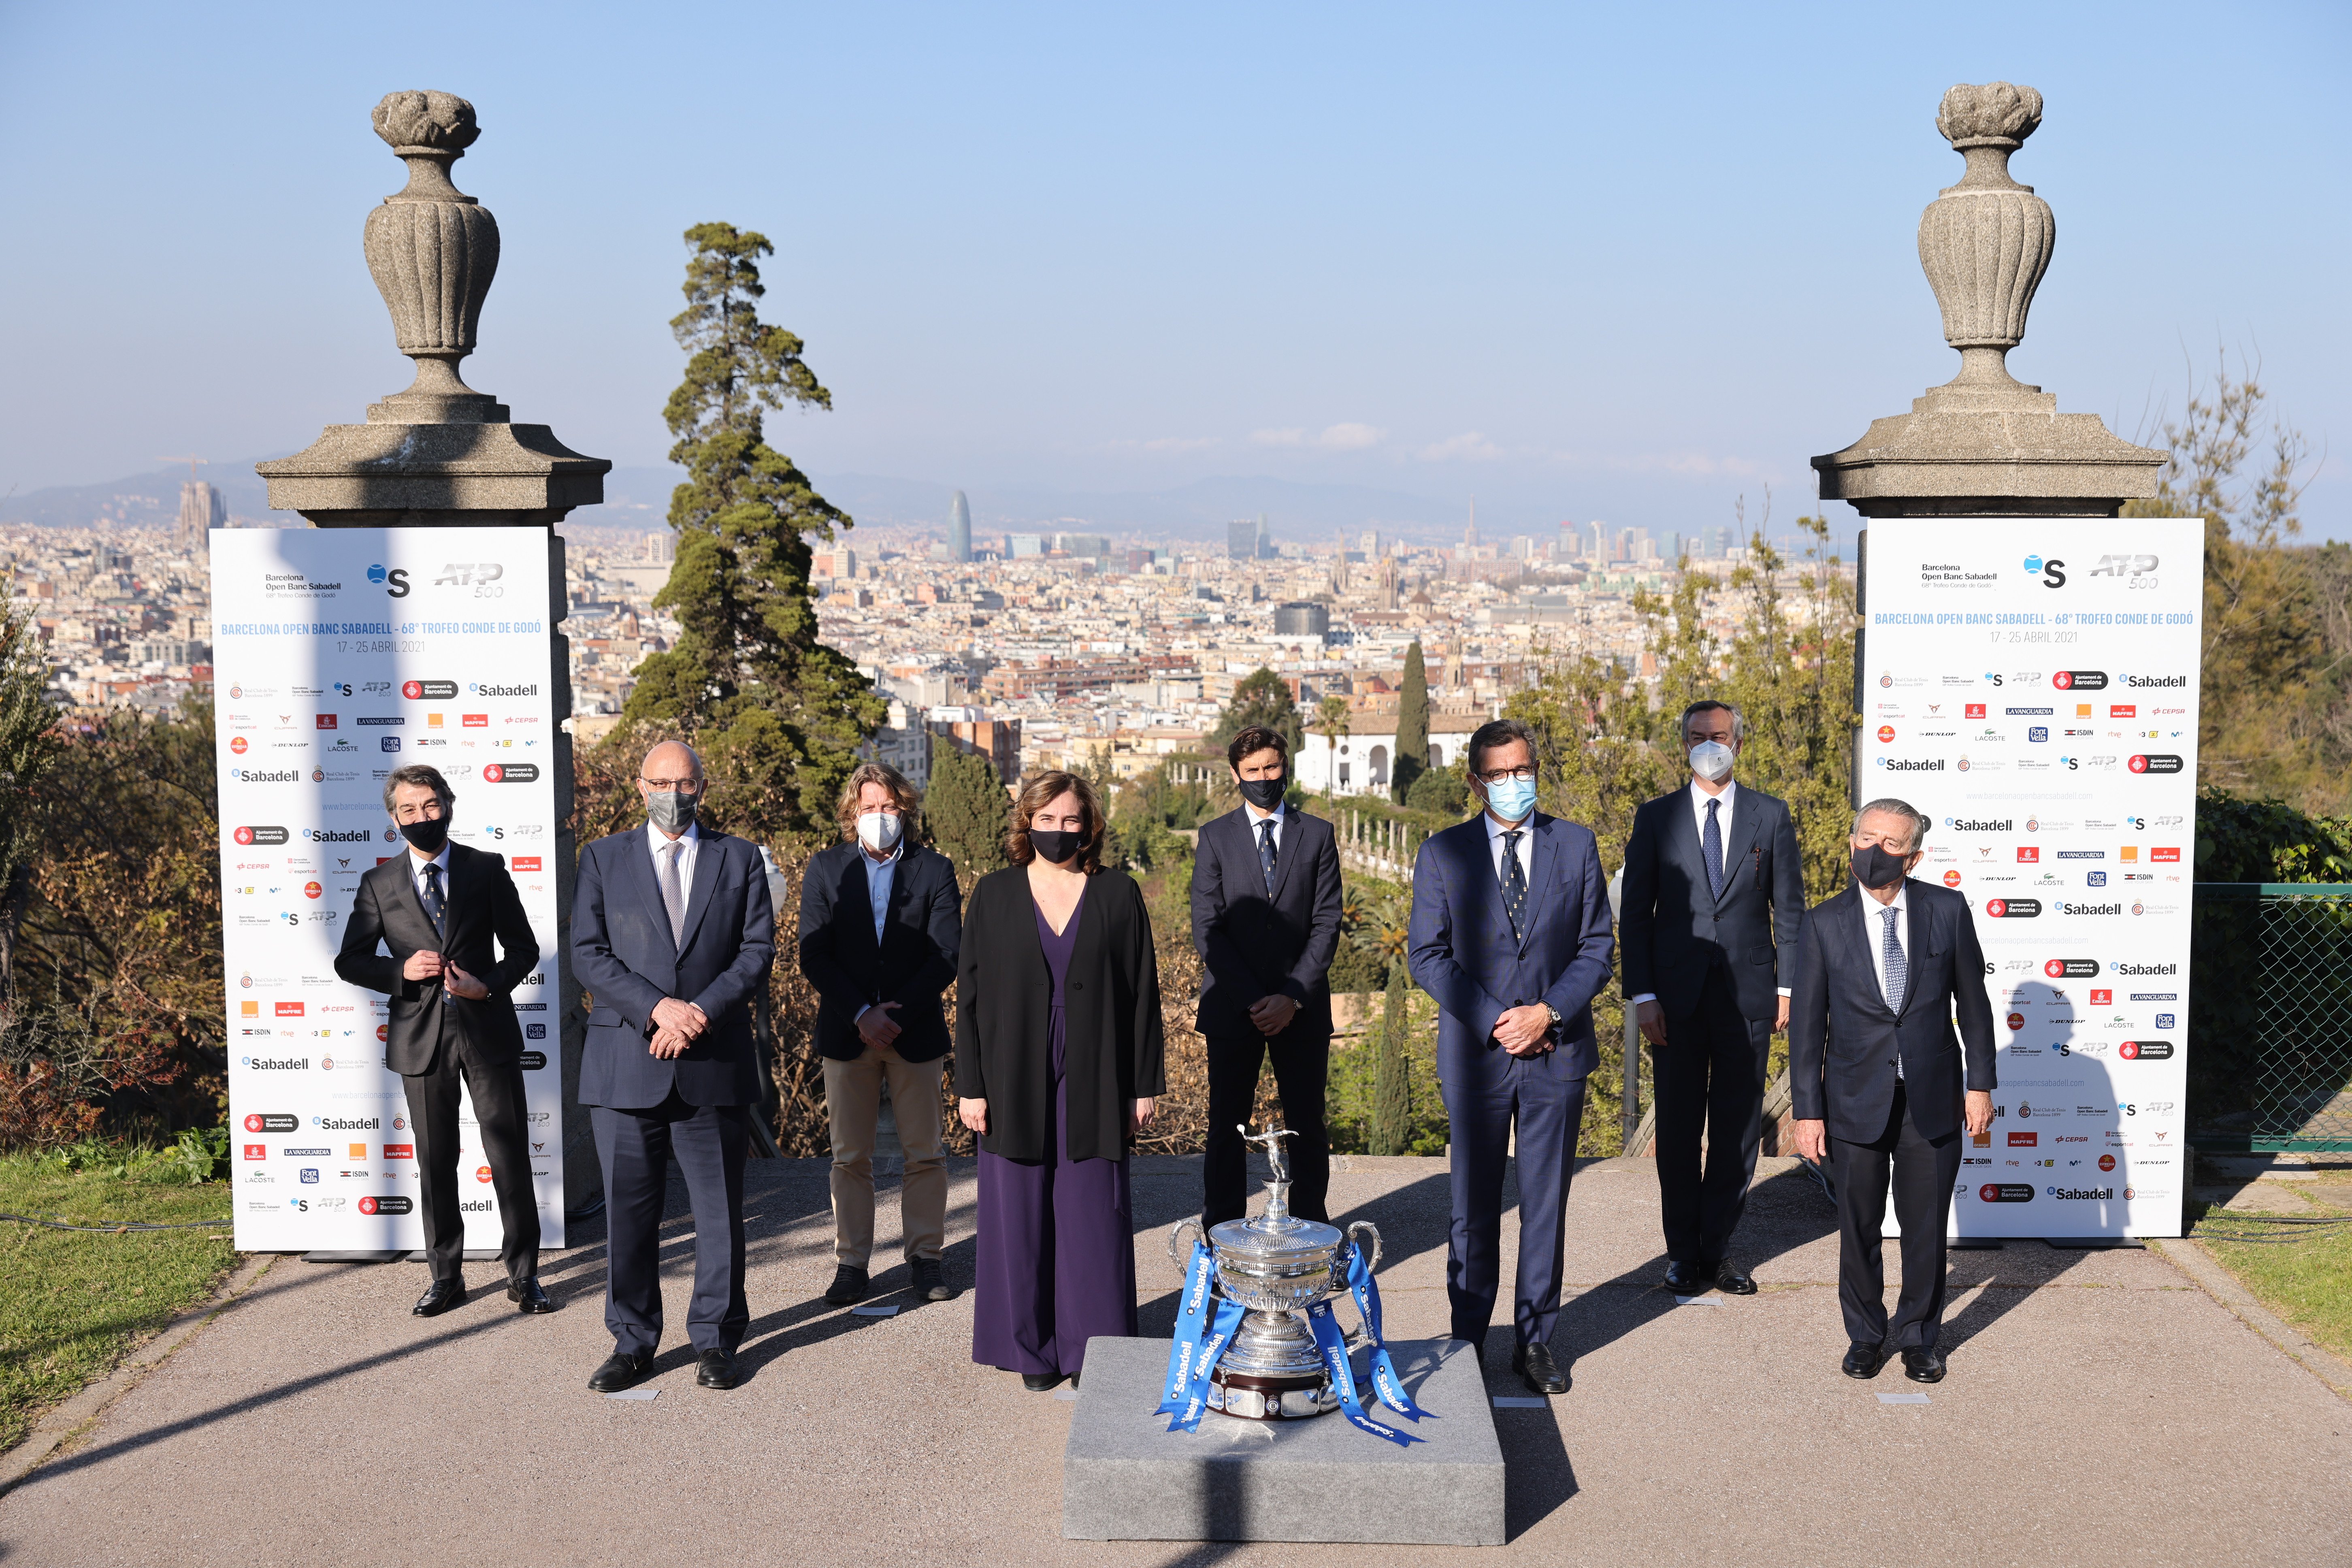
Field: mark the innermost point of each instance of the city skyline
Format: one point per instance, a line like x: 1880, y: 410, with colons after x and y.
x: 1624, y: 292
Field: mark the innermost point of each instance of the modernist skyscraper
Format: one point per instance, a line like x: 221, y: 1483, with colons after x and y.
x: 959, y: 529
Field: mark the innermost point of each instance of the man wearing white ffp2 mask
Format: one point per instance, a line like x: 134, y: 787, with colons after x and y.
x: 1713, y: 903
x: 881, y: 924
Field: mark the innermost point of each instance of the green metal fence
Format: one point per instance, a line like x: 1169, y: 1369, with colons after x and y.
x: 2270, y: 1065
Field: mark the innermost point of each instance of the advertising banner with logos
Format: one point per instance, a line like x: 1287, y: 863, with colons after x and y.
x: 338, y: 654
x: 2030, y: 685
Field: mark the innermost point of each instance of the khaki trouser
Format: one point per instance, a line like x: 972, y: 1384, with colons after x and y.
x: 853, y: 1103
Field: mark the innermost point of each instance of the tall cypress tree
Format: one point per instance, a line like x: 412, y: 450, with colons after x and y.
x: 777, y: 712
x: 966, y: 810
x: 1391, y: 1120
x: 1413, y: 726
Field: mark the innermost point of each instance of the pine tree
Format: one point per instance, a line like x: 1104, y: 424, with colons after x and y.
x: 1413, y: 726
x: 1392, y: 1121
x: 777, y: 713
x: 966, y: 810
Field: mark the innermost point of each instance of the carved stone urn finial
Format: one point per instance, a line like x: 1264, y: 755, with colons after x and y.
x: 433, y: 251
x: 1985, y: 242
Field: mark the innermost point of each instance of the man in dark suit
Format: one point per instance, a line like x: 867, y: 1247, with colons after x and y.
x: 1714, y: 899
x: 436, y: 908
x: 1879, y: 1077
x: 881, y: 922
x: 1266, y: 918
x: 672, y: 933
x: 1510, y: 934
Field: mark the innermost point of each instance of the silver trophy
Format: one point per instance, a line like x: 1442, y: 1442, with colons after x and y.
x: 1276, y: 1266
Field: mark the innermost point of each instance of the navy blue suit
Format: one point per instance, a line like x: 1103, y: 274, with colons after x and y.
x: 695, y: 1108
x: 1463, y: 954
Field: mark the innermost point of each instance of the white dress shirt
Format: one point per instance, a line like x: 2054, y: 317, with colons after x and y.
x: 1279, y: 816
x: 880, y: 875
x: 1526, y: 829
x: 687, y: 842
x: 1698, y: 799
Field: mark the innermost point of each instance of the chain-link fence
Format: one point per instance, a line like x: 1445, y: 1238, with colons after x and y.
x: 2270, y: 1016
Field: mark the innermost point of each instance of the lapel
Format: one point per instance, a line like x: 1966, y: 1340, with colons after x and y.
x: 404, y: 877
x: 707, y: 856
x: 1838, y: 918
x: 1682, y: 837
x: 1479, y: 850
x: 638, y: 866
x: 1916, y: 924
x: 1541, y: 853
x: 1735, y: 850
x: 1290, y: 842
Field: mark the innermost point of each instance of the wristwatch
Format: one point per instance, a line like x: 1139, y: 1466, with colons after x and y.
x: 1548, y: 1008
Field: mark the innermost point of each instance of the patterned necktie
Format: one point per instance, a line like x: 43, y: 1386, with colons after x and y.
x: 673, y: 892
x: 1711, y: 850
x: 1265, y: 853
x: 1515, y: 885
x: 1897, y: 972
x: 436, y: 908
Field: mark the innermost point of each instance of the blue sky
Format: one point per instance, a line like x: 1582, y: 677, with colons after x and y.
x: 1606, y: 262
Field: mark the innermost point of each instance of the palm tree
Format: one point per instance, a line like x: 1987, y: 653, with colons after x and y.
x: 1332, y: 718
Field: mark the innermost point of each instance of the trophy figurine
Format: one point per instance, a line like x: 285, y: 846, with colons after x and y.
x: 1276, y: 1265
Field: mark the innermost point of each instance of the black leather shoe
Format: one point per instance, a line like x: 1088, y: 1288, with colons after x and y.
x: 1732, y: 1282
x: 620, y: 1370
x: 1685, y: 1278
x: 1537, y: 1369
x: 849, y: 1285
x: 717, y: 1369
x: 929, y: 1280
x: 443, y: 1295
x: 1862, y: 1361
x: 1924, y: 1364
x: 529, y: 1297
x: 1040, y: 1382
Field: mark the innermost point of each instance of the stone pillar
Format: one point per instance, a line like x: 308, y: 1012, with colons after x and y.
x: 441, y: 454
x: 1984, y: 444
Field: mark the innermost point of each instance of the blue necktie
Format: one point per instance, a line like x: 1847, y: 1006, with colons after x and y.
x: 1514, y: 886
x: 1711, y: 850
x: 1265, y: 853
x: 436, y: 908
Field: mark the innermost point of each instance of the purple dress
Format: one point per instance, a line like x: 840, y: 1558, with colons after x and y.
x: 1057, y: 1237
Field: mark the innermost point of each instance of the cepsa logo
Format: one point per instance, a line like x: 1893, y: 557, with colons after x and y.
x: 2080, y: 681
x: 394, y: 582
x: 428, y: 691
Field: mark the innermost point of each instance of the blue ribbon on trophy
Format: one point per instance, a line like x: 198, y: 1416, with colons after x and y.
x: 1191, y: 1320
x: 1186, y: 1418
x: 1332, y: 1340
x: 1386, y: 1382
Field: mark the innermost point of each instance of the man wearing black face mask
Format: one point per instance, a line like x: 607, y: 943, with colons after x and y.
x: 436, y: 908
x: 1266, y: 918
x: 1880, y: 1080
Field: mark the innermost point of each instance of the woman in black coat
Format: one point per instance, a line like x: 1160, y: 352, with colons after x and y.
x: 1058, y: 1060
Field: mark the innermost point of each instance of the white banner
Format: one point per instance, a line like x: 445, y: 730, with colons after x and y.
x: 2030, y: 684
x: 338, y: 654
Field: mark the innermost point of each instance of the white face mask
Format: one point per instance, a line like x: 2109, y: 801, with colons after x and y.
x: 879, y: 830
x: 1711, y: 759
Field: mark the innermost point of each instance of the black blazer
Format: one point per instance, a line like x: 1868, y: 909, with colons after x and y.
x: 482, y: 903
x: 911, y: 965
x: 1253, y: 946
x: 1110, y: 1006
x: 625, y: 958
x: 1843, y: 1042
x: 1675, y: 930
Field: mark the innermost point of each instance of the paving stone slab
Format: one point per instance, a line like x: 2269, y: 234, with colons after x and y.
x: 1125, y: 1477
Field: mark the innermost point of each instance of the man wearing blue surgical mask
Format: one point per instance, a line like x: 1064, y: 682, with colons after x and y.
x: 1714, y: 901
x: 881, y: 924
x: 1510, y: 934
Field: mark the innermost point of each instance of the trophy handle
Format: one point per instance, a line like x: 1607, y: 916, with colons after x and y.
x: 1179, y: 1252
x: 1369, y: 1228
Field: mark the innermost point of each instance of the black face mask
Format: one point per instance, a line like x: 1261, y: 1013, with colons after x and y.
x: 1265, y: 794
x: 1057, y: 845
x: 1875, y: 867
x: 428, y: 833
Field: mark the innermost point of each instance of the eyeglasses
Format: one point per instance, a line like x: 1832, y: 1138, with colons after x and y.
x: 1512, y: 776
x: 683, y: 786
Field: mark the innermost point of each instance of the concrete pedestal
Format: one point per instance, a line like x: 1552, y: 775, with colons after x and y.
x: 1126, y: 1478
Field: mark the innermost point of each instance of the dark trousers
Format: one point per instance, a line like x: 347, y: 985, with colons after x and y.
x: 1302, y: 1063
x: 1483, y: 1098
x: 1924, y: 1171
x: 504, y: 1117
x: 1710, y: 1075
x: 709, y: 1142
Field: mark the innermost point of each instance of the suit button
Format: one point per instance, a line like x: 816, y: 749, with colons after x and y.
x: 1078, y: 986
